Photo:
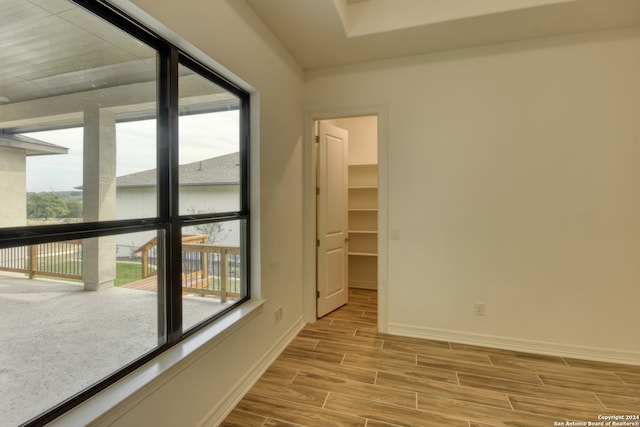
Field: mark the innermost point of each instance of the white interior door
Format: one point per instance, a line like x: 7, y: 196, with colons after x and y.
x: 332, y: 235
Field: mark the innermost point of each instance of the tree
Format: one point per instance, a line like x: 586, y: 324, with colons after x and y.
x: 45, y: 206
x: 75, y: 208
x: 217, y: 233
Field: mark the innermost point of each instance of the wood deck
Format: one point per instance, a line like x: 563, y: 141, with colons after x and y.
x: 151, y: 284
x: 147, y: 284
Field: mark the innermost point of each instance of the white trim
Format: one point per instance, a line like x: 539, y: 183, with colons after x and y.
x: 236, y: 393
x: 309, y: 220
x: 107, y: 406
x: 309, y: 197
x: 507, y: 343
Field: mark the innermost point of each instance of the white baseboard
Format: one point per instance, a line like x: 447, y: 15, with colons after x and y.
x: 236, y: 393
x: 516, y: 344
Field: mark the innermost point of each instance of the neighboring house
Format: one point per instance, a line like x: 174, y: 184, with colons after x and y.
x: 210, y: 185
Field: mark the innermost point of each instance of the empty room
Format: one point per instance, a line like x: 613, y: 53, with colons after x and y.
x: 319, y: 212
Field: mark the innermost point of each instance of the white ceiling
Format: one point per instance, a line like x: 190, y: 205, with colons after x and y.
x: 326, y: 33
x: 53, y: 47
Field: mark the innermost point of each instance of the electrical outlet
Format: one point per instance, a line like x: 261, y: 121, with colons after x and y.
x: 478, y: 309
x: 278, y: 314
x: 395, y: 234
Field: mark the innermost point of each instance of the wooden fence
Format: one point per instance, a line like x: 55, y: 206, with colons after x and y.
x: 206, y: 269
x: 56, y: 259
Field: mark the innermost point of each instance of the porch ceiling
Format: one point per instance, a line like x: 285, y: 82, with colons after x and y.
x: 73, y: 51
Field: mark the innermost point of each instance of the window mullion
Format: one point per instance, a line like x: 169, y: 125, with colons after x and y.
x: 244, y: 153
x: 169, y: 287
x: 175, y: 230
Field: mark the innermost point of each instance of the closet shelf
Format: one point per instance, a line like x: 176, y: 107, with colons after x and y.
x: 363, y: 225
x: 371, y: 254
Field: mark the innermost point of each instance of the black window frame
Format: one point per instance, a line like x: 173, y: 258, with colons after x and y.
x: 168, y: 220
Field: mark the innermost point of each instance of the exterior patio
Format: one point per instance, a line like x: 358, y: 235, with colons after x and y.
x: 58, y: 338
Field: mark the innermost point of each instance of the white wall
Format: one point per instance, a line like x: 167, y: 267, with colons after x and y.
x: 513, y: 179
x: 363, y: 138
x: 230, y: 33
x: 13, y: 187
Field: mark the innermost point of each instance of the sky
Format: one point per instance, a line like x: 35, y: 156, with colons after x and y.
x: 202, y: 136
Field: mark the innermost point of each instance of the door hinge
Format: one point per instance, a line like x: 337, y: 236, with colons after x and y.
x: 317, y: 191
x: 318, y: 242
x: 318, y: 138
x: 317, y: 294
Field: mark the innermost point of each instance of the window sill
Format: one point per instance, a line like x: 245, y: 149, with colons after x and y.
x: 127, y: 392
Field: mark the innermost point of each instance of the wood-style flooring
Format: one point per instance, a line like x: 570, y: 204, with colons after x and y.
x: 341, y: 372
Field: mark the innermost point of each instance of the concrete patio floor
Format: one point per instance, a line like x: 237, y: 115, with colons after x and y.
x: 57, y: 339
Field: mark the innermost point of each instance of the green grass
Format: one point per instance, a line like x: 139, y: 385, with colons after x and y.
x: 127, y: 272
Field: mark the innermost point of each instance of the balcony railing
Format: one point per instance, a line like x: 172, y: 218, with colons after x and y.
x: 207, y: 270
x: 57, y: 259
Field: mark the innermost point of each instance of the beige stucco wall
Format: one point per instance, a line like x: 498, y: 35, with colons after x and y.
x: 13, y: 187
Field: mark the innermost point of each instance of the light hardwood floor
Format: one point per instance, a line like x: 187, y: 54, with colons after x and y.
x: 341, y: 372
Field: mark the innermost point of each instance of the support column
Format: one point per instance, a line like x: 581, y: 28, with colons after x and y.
x: 13, y: 187
x: 99, y: 196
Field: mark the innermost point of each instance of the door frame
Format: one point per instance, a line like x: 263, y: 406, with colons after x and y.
x: 309, y: 211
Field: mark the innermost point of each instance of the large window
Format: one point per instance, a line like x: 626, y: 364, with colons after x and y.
x: 124, y: 222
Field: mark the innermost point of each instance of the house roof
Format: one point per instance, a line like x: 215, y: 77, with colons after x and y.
x: 222, y: 170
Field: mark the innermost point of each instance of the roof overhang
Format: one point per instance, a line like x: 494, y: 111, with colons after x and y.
x: 32, y: 146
